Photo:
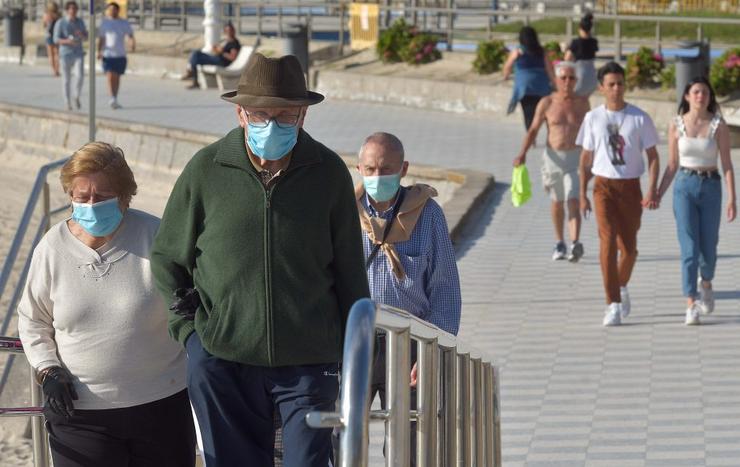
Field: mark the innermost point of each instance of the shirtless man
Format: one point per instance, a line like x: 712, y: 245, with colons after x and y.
x: 563, y: 111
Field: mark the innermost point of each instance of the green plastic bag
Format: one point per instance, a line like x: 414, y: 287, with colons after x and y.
x: 521, y: 188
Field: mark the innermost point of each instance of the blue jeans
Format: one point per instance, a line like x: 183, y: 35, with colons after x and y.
x: 201, y: 58
x: 697, y: 205
x: 235, y: 404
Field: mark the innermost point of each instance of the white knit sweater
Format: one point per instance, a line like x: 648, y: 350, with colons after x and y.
x: 98, y: 313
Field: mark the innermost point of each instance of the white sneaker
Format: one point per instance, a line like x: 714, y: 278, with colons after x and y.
x: 626, y: 304
x: 692, y: 314
x: 706, y: 298
x: 612, y: 317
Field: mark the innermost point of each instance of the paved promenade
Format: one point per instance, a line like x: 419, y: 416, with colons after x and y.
x: 651, y: 392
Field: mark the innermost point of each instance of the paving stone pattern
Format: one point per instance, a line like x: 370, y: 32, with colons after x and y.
x: 651, y: 392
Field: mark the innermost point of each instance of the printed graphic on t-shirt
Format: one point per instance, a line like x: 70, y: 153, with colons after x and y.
x: 616, y: 144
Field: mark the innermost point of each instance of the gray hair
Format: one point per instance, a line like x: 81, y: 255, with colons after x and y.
x: 562, y: 66
x: 386, y: 140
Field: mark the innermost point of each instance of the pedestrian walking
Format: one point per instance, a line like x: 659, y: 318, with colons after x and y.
x: 563, y: 112
x: 533, y: 74
x: 94, y: 328
x: 69, y: 32
x: 582, y: 50
x: 613, y: 137
x: 50, y: 18
x: 408, y: 252
x: 261, y: 242
x: 112, y: 36
x: 695, y: 138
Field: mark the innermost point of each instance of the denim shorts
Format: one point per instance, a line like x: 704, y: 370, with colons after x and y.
x: 114, y: 65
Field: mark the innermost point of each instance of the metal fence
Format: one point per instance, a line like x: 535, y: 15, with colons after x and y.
x: 457, y: 415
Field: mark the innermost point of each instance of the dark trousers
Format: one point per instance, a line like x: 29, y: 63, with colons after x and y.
x: 157, y: 434
x: 529, y: 105
x: 235, y: 404
x: 377, y: 385
x: 201, y: 58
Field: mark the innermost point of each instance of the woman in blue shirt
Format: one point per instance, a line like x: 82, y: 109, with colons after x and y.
x: 532, y: 74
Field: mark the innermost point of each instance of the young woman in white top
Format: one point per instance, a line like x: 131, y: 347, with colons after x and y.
x: 94, y: 327
x: 695, y: 138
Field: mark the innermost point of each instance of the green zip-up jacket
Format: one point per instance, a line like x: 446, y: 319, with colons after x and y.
x: 277, y: 267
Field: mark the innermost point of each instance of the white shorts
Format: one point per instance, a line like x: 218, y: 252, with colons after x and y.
x: 560, y: 173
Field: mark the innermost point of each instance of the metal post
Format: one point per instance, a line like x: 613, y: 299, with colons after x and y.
x: 211, y: 24
x: 617, y: 40
x: 568, y: 30
x: 155, y: 7
x: 658, y: 45
x: 478, y: 414
x: 699, y: 32
x: 449, y: 408
x: 92, y: 57
x: 489, y: 31
x: 183, y: 18
x: 342, y: 27
x: 280, y: 21
x: 463, y: 411
x: 488, y: 439
x: 450, y: 27
x: 426, y: 425
x: 415, y: 12
x: 399, y: 394
x: 259, y: 21
x: 38, y: 433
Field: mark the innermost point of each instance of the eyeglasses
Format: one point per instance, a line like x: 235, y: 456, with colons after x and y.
x: 567, y: 78
x: 262, y: 120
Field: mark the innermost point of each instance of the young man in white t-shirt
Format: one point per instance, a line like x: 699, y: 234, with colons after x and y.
x: 613, y: 137
x: 112, y: 49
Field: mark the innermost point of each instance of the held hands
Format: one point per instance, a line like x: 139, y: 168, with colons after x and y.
x: 651, y: 201
x: 187, y: 301
x: 59, y: 391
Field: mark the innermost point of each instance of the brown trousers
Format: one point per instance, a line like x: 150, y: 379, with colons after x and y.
x: 618, y: 212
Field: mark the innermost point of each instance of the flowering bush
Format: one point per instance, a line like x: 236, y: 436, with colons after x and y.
x: 489, y: 56
x: 403, y: 42
x: 422, y: 49
x: 725, y: 72
x: 553, y: 52
x: 643, y: 68
x: 668, y: 77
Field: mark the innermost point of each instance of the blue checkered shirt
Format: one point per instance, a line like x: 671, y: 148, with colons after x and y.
x: 431, y: 289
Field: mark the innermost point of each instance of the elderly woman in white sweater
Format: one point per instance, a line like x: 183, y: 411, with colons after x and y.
x: 95, y: 329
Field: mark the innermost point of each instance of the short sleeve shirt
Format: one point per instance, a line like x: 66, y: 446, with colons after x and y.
x: 113, y: 32
x: 228, y: 47
x: 616, y: 137
x: 584, y: 49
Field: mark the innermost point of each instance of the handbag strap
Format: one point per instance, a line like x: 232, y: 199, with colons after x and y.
x: 388, y: 225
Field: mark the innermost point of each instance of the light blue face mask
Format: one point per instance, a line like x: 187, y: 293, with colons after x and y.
x: 382, y: 188
x: 271, y: 142
x: 99, y: 219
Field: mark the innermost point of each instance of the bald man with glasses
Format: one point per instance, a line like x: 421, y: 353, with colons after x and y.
x: 562, y: 111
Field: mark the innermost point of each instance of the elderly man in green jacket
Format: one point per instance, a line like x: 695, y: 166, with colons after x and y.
x: 261, y: 243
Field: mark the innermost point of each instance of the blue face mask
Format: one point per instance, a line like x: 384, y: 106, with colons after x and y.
x: 271, y: 142
x: 382, y: 188
x: 99, y: 219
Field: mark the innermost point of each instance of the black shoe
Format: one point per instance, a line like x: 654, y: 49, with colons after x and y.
x: 192, y: 86
x: 559, y: 252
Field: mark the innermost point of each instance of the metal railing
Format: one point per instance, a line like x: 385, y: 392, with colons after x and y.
x: 457, y: 415
x: 40, y: 191
x: 38, y: 432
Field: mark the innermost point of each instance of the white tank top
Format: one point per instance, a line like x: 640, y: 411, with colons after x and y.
x: 696, y: 152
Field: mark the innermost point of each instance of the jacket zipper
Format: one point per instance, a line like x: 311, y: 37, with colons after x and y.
x: 268, y: 285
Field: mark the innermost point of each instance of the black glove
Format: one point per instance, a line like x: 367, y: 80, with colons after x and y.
x: 59, y: 391
x: 186, y: 303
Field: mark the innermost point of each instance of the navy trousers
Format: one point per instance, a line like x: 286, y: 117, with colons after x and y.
x: 235, y: 403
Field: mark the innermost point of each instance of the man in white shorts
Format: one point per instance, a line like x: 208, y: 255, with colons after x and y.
x: 563, y: 111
